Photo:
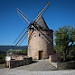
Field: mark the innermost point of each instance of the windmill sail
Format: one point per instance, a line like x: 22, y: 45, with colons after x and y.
x: 23, y: 16
x: 38, y: 22
x: 22, y: 37
x: 42, y: 11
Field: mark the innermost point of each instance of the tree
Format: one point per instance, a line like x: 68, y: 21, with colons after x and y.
x: 2, y: 56
x: 65, y: 41
x: 19, y: 52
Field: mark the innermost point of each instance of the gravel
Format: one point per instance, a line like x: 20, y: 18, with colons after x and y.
x: 40, y: 67
x: 22, y: 72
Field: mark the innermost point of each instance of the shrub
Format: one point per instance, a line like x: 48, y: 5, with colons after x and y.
x: 2, y: 56
x: 20, y: 52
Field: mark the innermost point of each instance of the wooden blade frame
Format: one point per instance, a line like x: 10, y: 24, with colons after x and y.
x: 23, y: 40
x: 42, y: 11
x: 25, y: 18
x: 29, y: 38
x: 21, y: 37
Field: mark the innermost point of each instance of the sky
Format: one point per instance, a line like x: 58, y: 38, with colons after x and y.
x: 60, y: 13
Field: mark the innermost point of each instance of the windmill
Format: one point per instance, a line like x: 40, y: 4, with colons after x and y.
x: 38, y: 47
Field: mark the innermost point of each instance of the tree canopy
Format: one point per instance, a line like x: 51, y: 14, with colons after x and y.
x: 65, y: 42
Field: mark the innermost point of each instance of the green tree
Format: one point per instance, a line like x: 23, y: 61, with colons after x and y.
x: 2, y: 56
x: 64, y: 41
x: 20, y: 52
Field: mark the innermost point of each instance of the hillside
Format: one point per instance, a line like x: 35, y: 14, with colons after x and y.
x: 5, y: 48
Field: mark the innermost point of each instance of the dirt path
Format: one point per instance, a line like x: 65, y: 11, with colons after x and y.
x: 40, y: 65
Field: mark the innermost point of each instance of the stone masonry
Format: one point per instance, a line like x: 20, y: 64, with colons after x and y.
x: 38, y: 42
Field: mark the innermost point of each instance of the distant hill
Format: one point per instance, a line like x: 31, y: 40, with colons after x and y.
x: 5, y: 48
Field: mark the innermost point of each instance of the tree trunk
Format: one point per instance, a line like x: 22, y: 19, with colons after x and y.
x: 64, y: 56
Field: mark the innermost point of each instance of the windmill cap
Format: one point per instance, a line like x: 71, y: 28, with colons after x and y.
x: 40, y: 21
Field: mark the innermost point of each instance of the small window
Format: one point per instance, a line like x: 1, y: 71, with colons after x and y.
x: 39, y: 34
x: 34, y: 35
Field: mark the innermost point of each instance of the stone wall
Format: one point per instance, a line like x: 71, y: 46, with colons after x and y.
x: 54, y: 58
x: 17, y: 63
x: 66, y: 65
x: 15, y: 57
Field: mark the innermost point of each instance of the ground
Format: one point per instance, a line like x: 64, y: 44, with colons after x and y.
x: 22, y: 72
x: 41, y: 67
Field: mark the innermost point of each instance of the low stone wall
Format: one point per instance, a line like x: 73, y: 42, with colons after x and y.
x: 54, y: 58
x: 17, y: 63
x: 66, y: 65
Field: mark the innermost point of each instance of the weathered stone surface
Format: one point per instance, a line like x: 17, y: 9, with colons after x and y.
x: 66, y: 65
x: 37, y: 44
x: 17, y: 63
x: 40, y: 41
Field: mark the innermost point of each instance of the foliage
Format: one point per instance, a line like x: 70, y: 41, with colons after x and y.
x: 65, y: 42
x: 3, y: 53
x: 2, y: 56
x: 20, y: 52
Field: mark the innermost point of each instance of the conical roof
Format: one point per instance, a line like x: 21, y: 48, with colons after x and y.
x: 40, y: 21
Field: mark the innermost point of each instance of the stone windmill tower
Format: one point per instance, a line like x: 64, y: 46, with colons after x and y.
x: 40, y: 43
x: 38, y: 46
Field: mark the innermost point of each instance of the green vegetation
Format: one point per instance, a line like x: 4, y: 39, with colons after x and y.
x: 4, y: 53
x: 2, y: 56
x: 19, y: 52
x: 65, y: 43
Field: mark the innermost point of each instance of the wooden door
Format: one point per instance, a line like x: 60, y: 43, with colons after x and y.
x: 40, y: 55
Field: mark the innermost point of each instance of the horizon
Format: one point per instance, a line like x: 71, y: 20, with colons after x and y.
x: 13, y: 45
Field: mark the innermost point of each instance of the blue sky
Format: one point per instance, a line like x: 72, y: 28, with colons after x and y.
x: 60, y: 13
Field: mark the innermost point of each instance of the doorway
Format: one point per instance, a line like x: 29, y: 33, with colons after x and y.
x: 40, y: 55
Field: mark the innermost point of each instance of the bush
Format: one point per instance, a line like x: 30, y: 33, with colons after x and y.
x: 2, y: 56
x: 20, y: 52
